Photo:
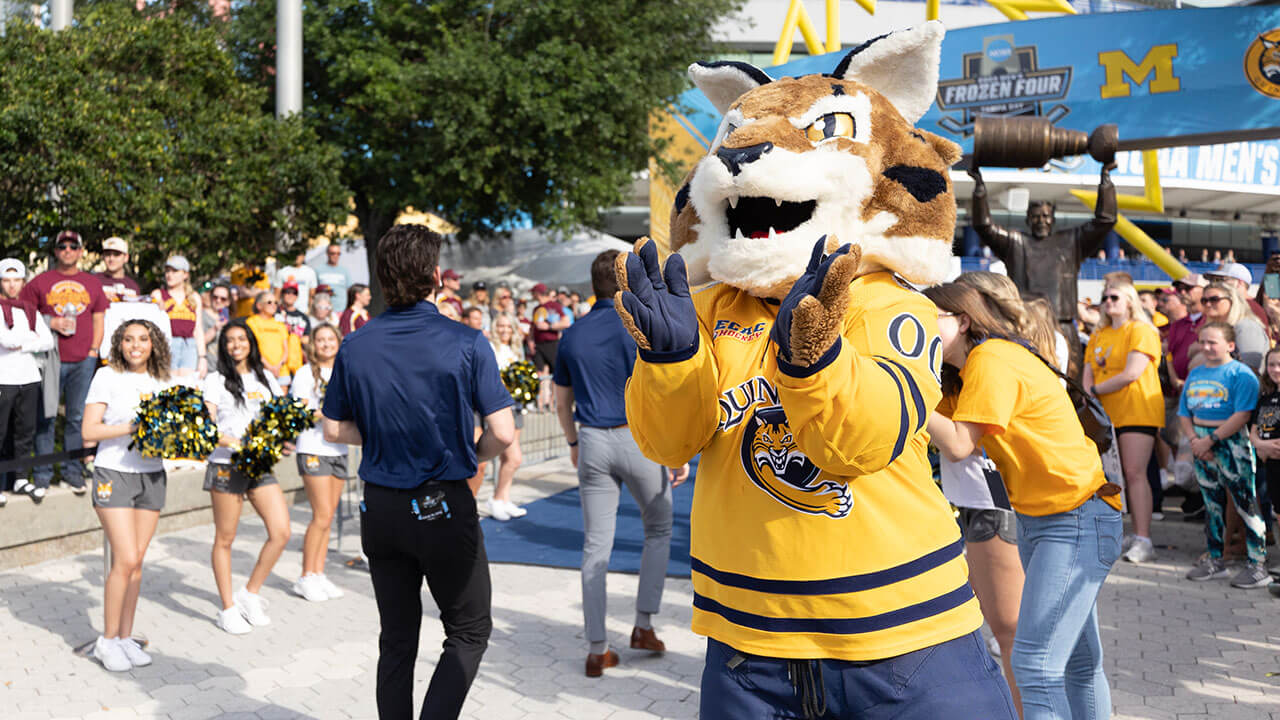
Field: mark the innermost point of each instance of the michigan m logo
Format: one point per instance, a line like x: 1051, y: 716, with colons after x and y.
x: 1158, y: 62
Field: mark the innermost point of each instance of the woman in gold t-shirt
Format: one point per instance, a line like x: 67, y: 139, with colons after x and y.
x: 998, y: 392
x: 1121, y: 368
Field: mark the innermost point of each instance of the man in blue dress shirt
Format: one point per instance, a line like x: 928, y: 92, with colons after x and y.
x: 405, y: 386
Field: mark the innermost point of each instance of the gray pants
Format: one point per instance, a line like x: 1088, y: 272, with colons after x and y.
x: 607, y: 459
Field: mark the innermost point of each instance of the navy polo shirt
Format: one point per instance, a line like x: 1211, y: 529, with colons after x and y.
x: 595, y: 358
x: 411, y: 379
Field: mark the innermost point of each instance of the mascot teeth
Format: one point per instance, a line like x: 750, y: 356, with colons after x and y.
x: 733, y: 202
x: 764, y: 217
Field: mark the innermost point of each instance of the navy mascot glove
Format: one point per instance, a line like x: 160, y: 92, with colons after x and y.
x: 654, y: 304
x: 807, y: 330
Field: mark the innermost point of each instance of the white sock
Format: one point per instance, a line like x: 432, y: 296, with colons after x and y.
x: 599, y: 648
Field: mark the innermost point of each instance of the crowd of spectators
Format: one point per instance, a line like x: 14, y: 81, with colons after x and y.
x: 1185, y: 372
x: 57, y: 323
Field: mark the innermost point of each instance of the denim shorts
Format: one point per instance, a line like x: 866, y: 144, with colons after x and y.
x: 182, y: 353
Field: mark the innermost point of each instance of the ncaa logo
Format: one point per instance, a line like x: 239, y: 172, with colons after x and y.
x: 1262, y: 63
x: 775, y: 464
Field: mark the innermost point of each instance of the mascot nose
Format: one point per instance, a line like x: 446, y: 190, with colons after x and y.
x: 735, y: 158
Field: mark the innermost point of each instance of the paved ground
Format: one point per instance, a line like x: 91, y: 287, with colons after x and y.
x: 1175, y: 649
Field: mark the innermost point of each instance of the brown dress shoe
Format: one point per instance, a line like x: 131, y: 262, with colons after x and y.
x: 597, y: 663
x: 646, y: 639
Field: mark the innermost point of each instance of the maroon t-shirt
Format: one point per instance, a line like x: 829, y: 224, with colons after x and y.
x: 1182, y: 333
x: 552, y: 312
x: 80, y: 296
x: 119, y: 289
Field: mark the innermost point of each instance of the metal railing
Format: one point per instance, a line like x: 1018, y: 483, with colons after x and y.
x: 541, y: 439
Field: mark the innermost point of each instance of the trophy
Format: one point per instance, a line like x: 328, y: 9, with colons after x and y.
x: 1030, y: 142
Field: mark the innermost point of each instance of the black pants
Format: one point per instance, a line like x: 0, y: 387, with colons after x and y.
x: 19, y: 405
x: 449, y: 552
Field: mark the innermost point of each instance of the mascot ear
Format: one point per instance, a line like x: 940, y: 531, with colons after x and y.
x: 725, y: 81
x: 902, y: 66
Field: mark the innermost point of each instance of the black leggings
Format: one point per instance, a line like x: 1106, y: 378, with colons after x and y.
x: 449, y: 552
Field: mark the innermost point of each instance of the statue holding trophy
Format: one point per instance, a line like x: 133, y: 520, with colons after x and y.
x: 1046, y: 261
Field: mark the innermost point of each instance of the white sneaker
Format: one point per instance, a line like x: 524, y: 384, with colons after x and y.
x: 333, y: 591
x: 1142, y: 550
x: 252, y: 607
x: 498, y: 511
x: 4, y: 499
x: 1127, y: 542
x: 1157, y: 515
x: 310, y: 588
x: 133, y: 650
x: 232, y: 620
x: 514, y: 510
x: 111, y: 655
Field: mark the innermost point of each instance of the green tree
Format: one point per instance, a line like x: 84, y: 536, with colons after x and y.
x: 138, y: 125
x: 488, y: 113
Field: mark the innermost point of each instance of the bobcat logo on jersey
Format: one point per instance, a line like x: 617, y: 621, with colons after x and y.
x: 776, y: 466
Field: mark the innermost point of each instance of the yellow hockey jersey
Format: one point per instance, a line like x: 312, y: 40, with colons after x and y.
x: 818, y: 531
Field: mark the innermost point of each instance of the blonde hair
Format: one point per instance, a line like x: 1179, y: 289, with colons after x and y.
x: 1136, y: 311
x: 516, y: 339
x: 1003, y: 299
x: 1240, y: 310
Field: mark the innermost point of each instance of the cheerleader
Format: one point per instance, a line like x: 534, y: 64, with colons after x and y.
x: 128, y: 489
x: 234, y: 395
x: 322, y: 465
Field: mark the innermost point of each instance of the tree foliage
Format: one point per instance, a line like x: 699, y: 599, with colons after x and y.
x: 138, y: 125
x: 488, y: 113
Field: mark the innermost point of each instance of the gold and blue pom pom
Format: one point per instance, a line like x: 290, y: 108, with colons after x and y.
x: 280, y: 420
x: 174, y: 423
x: 521, y: 379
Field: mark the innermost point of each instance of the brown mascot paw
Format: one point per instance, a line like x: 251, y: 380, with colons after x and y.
x: 620, y: 275
x: 817, y: 321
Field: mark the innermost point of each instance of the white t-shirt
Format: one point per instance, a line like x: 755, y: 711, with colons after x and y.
x: 505, y: 355
x: 965, y: 484
x: 122, y: 393
x: 312, y: 442
x: 233, y: 419
x: 304, y: 276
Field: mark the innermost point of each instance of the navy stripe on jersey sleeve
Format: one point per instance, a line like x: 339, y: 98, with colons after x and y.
x: 489, y: 394
x: 839, y: 626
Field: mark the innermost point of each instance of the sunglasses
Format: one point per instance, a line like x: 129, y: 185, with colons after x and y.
x: 68, y: 246
x: 1111, y: 298
x: 1215, y: 300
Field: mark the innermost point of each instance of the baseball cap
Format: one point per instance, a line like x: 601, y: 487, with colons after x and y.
x: 562, y: 290
x: 451, y: 274
x: 322, y: 290
x: 1168, y: 290
x: 479, y: 285
x: 12, y: 267
x: 1232, y: 270
x: 1191, y: 280
x: 289, y: 285
x: 177, y: 262
x: 540, y: 289
x: 115, y: 243
x: 70, y: 235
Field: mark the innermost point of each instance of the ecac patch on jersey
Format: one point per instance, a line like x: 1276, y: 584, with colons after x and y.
x: 745, y: 333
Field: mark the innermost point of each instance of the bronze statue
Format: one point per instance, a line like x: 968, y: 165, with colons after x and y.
x: 1046, y: 262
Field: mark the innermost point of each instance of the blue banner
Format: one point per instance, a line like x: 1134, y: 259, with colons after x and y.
x: 1154, y: 73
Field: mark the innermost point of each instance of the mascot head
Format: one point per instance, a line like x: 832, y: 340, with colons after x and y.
x: 835, y: 155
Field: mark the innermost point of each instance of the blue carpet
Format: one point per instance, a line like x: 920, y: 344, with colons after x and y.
x: 551, y: 534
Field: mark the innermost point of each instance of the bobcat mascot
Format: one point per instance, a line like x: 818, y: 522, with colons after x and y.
x: 827, y: 567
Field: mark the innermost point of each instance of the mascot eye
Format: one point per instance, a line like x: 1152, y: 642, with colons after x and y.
x: 829, y: 126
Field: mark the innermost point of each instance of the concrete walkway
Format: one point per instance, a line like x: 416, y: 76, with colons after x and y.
x: 1175, y: 650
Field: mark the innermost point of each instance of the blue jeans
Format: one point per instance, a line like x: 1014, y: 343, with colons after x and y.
x: 953, y: 679
x: 75, y: 378
x: 182, y: 353
x: 1057, y: 652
